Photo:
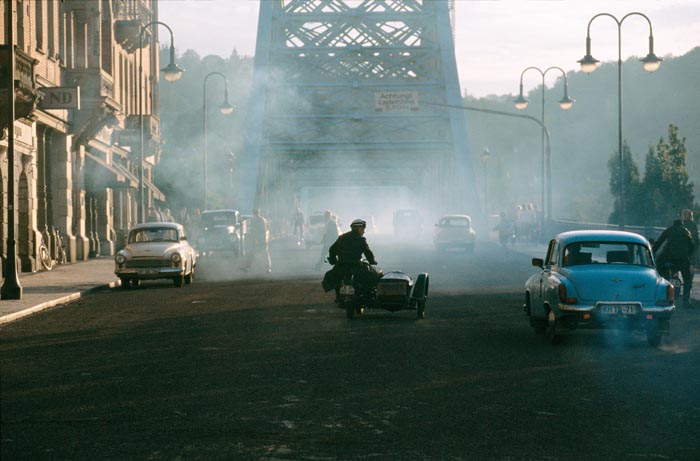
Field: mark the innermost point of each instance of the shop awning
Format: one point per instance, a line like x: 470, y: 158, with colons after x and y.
x: 103, y: 175
x: 157, y: 194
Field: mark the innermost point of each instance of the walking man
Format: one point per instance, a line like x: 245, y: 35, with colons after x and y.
x: 677, y: 251
x: 257, y: 241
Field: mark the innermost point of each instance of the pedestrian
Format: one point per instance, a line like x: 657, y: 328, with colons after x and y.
x: 676, y: 254
x: 329, y: 236
x: 257, y: 241
x: 298, y: 225
x: 153, y: 215
x: 689, y: 223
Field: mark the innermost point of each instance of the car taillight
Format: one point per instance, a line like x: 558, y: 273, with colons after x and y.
x: 562, y: 295
x: 670, y: 295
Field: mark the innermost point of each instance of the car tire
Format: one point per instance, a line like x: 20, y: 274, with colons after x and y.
x: 420, y: 309
x: 654, y: 336
x: 551, y: 329
x: 125, y: 282
x: 179, y: 280
x: 189, y: 278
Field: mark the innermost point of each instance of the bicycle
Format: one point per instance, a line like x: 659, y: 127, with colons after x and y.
x: 60, y: 256
x: 44, y: 254
x: 673, y: 275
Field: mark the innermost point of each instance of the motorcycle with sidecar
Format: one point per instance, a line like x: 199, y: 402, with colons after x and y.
x: 370, y: 288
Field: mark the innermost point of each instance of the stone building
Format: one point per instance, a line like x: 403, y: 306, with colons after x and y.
x: 77, y: 123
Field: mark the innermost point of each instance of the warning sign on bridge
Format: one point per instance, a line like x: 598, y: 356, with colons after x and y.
x: 396, y: 101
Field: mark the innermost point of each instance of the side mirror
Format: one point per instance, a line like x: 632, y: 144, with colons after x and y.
x: 538, y: 262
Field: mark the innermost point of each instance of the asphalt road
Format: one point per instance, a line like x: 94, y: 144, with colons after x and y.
x: 263, y: 367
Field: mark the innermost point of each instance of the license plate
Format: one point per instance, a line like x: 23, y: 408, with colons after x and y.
x: 347, y: 290
x: 613, y: 309
x: 148, y: 271
x: 390, y: 289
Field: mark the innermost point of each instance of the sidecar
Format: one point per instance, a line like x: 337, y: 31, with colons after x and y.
x: 394, y: 291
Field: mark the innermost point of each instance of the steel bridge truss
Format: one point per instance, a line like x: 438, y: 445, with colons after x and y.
x: 349, y: 92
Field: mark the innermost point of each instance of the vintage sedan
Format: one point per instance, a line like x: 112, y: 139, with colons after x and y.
x: 220, y: 231
x: 454, y: 231
x: 158, y: 250
x: 600, y: 280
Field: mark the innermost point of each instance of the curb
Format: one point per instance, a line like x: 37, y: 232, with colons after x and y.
x: 54, y: 302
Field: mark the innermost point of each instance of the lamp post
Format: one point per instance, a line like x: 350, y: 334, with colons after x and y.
x: 565, y: 103
x: 172, y: 72
x: 485, y: 160
x: 226, y: 108
x: 11, y: 288
x: 650, y: 63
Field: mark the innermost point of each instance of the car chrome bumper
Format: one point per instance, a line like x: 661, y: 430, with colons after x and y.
x: 152, y: 273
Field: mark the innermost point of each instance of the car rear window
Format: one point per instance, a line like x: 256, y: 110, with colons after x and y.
x: 618, y: 253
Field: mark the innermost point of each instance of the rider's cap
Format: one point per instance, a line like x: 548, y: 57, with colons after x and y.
x: 358, y: 223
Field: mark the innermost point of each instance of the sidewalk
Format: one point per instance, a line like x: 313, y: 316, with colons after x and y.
x: 65, y: 283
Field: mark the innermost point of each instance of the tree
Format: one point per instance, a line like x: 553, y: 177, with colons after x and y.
x: 666, y: 188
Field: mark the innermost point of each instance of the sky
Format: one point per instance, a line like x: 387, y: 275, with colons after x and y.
x: 495, y: 40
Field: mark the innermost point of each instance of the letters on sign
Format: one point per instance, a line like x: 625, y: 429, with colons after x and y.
x: 396, y: 101
x: 60, y: 98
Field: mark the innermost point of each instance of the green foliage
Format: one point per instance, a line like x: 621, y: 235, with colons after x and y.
x: 630, y: 185
x: 665, y: 190
x: 584, y: 136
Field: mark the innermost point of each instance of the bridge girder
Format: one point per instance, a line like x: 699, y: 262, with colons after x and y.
x: 341, y: 85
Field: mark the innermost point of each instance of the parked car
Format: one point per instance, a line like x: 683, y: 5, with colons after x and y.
x: 599, y: 280
x: 408, y: 223
x: 315, y: 226
x: 220, y: 231
x: 454, y: 231
x: 156, y: 251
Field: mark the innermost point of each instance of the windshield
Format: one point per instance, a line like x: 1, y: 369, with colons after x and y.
x: 223, y: 218
x: 153, y: 234
x: 316, y: 219
x: 627, y: 253
x: 455, y: 222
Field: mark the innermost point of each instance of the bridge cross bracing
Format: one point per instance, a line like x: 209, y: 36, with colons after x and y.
x: 344, y: 95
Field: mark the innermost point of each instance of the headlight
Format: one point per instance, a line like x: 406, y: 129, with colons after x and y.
x: 176, y: 258
x: 120, y: 258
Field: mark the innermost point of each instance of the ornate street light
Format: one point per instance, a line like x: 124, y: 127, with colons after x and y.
x: 11, y: 288
x: 650, y: 62
x: 565, y: 103
x: 172, y: 72
x: 226, y: 108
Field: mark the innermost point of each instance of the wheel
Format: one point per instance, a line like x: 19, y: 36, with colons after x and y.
x: 420, y: 309
x: 654, y: 336
x: 45, y: 258
x: 349, y: 311
x: 124, y: 282
x: 179, y: 280
x: 135, y: 283
x: 551, y: 329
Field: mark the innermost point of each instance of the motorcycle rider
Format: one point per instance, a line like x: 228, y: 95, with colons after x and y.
x: 676, y: 252
x: 345, y: 255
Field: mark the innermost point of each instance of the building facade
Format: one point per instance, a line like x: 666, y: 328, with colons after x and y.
x: 86, y: 74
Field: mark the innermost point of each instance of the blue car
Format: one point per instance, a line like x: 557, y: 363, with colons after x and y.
x: 599, y: 280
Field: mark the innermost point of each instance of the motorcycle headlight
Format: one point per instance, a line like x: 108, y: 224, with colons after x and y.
x: 176, y: 258
x: 120, y: 258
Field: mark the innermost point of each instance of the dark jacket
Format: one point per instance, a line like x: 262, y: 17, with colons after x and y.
x: 679, y: 244
x: 348, y: 250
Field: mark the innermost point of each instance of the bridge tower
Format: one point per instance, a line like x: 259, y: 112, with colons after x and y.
x: 349, y: 104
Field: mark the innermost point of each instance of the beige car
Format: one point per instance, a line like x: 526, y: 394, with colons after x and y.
x: 454, y: 231
x: 158, y: 250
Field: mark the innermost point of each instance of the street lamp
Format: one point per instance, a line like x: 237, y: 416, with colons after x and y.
x: 172, y: 72
x: 485, y: 160
x: 650, y: 62
x: 226, y: 108
x: 11, y: 288
x: 565, y: 103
